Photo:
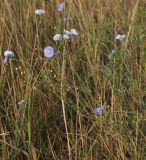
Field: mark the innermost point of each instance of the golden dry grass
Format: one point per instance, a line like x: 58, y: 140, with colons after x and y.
x: 56, y: 122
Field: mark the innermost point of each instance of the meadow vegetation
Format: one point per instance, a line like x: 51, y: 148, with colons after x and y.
x: 46, y: 104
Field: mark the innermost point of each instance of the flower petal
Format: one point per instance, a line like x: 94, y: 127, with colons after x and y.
x: 112, y: 53
x: 120, y: 37
x: 49, y: 52
x: 5, y: 59
x: 40, y: 12
x: 67, y: 32
x: 61, y: 6
x: 74, y: 32
x: 98, y: 111
x: 9, y: 54
x: 57, y: 37
x: 66, y: 36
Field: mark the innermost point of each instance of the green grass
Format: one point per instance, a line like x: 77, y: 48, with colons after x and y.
x: 56, y: 121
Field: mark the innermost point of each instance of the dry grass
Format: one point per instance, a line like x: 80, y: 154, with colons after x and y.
x: 56, y: 122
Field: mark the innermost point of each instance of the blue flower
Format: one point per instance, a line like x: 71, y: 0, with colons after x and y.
x: 98, y: 111
x: 8, y: 54
x: 40, y: 12
x: 49, y: 52
x: 61, y: 6
x: 74, y: 32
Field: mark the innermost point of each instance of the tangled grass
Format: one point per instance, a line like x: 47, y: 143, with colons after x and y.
x: 46, y: 105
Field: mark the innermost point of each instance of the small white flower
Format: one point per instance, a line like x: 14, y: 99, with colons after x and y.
x: 66, y: 36
x: 57, y: 37
x: 40, y: 12
x: 120, y: 37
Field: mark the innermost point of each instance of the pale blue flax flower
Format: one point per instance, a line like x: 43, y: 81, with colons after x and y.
x: 71, y: 33
x: 8, y: 54
x: 98, y: 111
x: 74, y: 32
x: 49, y: 52
x: 61, y: 6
